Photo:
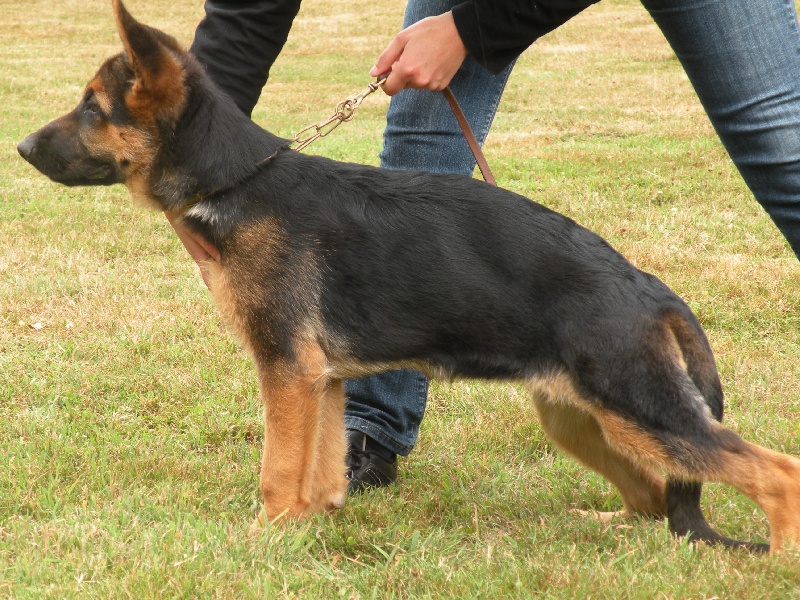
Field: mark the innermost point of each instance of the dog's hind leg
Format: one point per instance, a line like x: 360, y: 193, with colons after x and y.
x: 714, y: 453
x: 303, y: 464
x: 768, y: 478
x: 686, y: 519
x: 688, y: 443
x: 578, y: 433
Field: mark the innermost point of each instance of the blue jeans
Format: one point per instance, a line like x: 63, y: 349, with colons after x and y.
x: 743, y: 59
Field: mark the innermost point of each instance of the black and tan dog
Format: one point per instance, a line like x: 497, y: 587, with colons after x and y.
x: 327, y: 271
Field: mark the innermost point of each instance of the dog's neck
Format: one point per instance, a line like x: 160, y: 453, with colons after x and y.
x: 214, y: 146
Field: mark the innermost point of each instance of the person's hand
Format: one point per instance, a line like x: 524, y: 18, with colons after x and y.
x: 423, y: 56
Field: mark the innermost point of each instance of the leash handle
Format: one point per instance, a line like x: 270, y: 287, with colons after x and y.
x: 474, y: 146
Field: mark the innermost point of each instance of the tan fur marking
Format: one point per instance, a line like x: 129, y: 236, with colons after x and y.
x: 159, y: 95
x: 771, y: 480
x: 133, y: 150
x: 629, y: 438
x: 566, y: 419
x: 224, y: 301
x: 347, y: 367
x: 302, y: 469
x: 329, y: 488
x: 141, y: 193
x: 672, y: 348
x: 247, y: 279
x: 691, y: 347
x: 622, y: 433
x: 256, y: 261
x: 100, y: 95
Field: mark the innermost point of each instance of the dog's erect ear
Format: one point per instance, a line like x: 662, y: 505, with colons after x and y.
x: 153, y: 55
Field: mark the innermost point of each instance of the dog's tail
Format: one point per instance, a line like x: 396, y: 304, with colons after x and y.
x: 684, y: 513
x: 686, y: 518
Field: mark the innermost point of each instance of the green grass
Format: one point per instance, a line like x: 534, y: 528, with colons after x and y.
x: 130, y: 427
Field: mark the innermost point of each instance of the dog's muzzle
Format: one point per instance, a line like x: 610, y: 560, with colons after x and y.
x: 65, y: 161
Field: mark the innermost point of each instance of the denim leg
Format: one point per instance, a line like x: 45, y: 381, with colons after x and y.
x: 421, y: 134
x: 388, y: 407
x: 743, y: 59
x: 421, y: 131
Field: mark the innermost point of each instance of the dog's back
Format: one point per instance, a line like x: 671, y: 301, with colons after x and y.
x: 475, y: 280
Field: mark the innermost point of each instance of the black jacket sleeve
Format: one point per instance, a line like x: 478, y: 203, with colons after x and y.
x: 237, y: 42
x: 496, y: 32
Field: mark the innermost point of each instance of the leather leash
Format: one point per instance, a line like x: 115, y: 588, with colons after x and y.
x: 470, y: 137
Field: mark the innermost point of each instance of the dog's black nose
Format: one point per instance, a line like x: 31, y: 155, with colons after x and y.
x: 26, y: 146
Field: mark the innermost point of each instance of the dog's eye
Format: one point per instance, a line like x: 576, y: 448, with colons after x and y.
x: 91, y: 108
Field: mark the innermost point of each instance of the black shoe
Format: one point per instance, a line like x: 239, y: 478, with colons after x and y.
x: 368, y: 463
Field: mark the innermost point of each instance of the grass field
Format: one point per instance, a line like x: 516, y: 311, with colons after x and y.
x: 130, y: 427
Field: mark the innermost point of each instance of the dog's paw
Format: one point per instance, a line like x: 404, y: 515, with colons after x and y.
x: 329, y: 495
x: 336, y: 502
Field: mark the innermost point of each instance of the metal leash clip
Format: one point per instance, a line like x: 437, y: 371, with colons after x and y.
x: 345, y: 111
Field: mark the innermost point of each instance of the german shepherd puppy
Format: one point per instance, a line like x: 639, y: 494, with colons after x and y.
x: 328, y: 271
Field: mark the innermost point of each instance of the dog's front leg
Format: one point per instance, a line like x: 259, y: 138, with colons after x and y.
x: 302, y: 467
x: 329, y: 488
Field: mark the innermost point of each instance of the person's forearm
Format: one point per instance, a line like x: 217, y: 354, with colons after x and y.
x: 495, y: 32
x: 237, y: 42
